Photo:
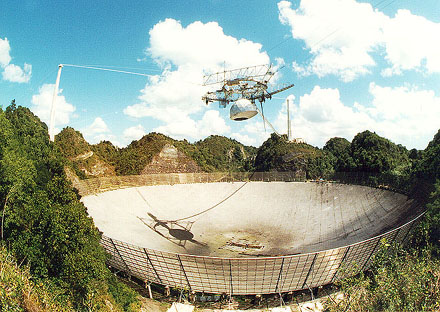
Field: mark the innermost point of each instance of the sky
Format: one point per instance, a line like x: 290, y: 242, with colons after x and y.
x: 356, y: 66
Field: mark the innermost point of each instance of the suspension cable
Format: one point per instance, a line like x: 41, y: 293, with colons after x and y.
x: 219, y: 203
x: 109, y: 69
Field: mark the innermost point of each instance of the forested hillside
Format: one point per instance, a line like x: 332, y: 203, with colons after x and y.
x: 84, y: 159
x: 43, y: 224
x: 278, y: 154
x: 215, y: 153
x: 218, y: 153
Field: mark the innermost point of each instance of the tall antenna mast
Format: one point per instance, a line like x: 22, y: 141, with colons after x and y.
x: 52, y: 110
x: 57, y: 83
x: 289, y: 134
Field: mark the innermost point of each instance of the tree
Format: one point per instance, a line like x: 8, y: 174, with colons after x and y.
x: 429, y: 165
x: 220, y: 153
x: 278, y: 154
x: 340, y: 149
x: 372, y: 153
x: 71, y: 143
x: 44, y: 223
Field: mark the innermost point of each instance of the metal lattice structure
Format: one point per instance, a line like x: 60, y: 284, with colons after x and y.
x: 250, y: 83
x: 240, y: 276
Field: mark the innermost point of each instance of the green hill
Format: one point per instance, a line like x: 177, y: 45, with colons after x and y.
x: 278, y: 154
x: 215, y: 153
x: 44, y: 225
x: 218, y: 153
x: 373, y: 153
x: 84, y: 159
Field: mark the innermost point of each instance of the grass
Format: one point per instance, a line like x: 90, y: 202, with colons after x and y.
x: 19, y: 293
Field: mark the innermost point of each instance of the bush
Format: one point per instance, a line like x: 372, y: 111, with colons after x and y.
x: 399, y: 281
x: 19, y: 293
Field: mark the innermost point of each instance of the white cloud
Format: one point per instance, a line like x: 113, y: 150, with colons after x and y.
x: 253, y: 132
x: 106, y: 137
x: 183, y: 127
x: 300, y: 70
x: 343, y: 34
x: 12, y: 72
x: 212, y: 123
x: 98, y: 131
x: 202, y: 45
x: 391, y: 71
x: 404, y: 115
x: 320, y: 116
x: 343, y: 52
x: 185, y: 53
x: 5, y: 57
x: 134, y: 133
x: 412, y: 42
x: 96, y: 127
x: 42, y: 103
x: 165, y: 98
x: 244, y: 139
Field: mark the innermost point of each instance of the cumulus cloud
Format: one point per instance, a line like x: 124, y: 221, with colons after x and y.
x: 5, y: 57
x: 345, y: 51
x: 42, y: 104
x: 106, y: 137
x: 405, y: 114
x: 96, y: 127
x: 253, y: 132
x: 244, y: 139
x: 211, y: 123
x: 12, y: 72
x: 202, y: 45
x: 321, y: 115
x: 98, y: 131
x: 396, y: 113
x: 343, y: 34
x: 412, y: 42
x: 134, y: 133
x: 185, y: 54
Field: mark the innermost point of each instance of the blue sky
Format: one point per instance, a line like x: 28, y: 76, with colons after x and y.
x: 356, y: 65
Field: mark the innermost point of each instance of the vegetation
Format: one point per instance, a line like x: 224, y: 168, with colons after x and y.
x: 71, y: 143
x: 218, y: 153
x: 428, y: 169
x: 107, y: 151
x: 18, y: 292
x: 278, y: 154
x: 372, y: 153
x: 403, y: 279
x: 215, y: 153
x: 43, y: 223
x: 139, y: 153
x: 399, y: 280
x: 84, y: 159
x: 428, y: 166
x: 340, y: 149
